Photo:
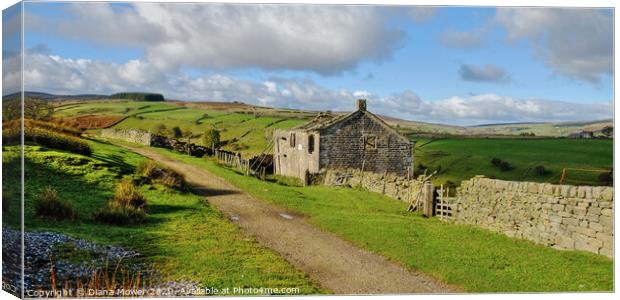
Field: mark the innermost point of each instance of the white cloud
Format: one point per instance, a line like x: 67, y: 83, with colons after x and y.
x: 577, y: 43
x: 323, y: 39
x: 49, y: 73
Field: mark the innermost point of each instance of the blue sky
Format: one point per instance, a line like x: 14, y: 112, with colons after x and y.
x: 457, y: 65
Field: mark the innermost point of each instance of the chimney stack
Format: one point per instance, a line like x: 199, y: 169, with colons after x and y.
x: 361, y: 104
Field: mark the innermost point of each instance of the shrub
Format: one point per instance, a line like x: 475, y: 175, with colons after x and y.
x: 49, y: 205
x: 505, y: 166
x: 117, y: 214
x: 211, y: 138
x: 126, y: 194
x: 127, y: 207
x: 155, y: 172
x: 540, y: 170
x: 46, y: 134
x: 176, y: 132
x: 496, y: 161
x: 606, y: 178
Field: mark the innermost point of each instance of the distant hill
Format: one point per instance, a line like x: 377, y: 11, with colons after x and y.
x: 139, y: 96
x: 53, y: 97
x: 408, y: 127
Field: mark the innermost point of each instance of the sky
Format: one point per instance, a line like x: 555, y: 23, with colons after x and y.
x: 454, y: 65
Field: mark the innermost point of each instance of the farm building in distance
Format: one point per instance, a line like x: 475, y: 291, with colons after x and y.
x: 359, y: 140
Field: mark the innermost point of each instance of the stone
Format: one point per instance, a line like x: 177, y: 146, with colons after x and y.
x: 570, y: 221
x: 607, y: 252
x: 589, y: 232
x: 606, y: 212
x: 557, y: 207
x: 565, y: 242
x: 607, y: 194
x: 596, y: 226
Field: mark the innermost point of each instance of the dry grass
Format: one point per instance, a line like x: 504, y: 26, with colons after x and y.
x: 155, y: 172
x: 106, y: 282
x: 127, y: 207
x: 49, y: 205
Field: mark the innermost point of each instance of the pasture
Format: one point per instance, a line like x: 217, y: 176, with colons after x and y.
x: 458, y: 159
x: 475, y: 259
x: 245, y: 131
x: 178, y: 225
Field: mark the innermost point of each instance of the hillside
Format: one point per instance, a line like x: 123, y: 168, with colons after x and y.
x: 407, y: 127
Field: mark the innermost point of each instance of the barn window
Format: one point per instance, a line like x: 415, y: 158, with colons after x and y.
x: 370, y: 142
x: 292, y: 140
x: 311, y: 143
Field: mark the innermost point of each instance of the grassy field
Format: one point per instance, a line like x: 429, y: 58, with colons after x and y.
x: 183, y: 238
x: 475, y: 259
x: 248, y: 132
x: 458, y: 159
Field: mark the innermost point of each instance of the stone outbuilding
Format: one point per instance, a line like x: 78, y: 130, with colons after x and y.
x: 359, y: 140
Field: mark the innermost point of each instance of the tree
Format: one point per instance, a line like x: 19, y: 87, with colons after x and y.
x: 176, y: 132
x: 608, y: 131
x: 159, y: 129
x: 211, y: 138
x: 37, y: 109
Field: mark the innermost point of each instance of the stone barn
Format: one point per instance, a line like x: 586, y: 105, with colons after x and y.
x: 359, y: 140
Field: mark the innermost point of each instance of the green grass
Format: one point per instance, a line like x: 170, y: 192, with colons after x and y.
x: 475, y: 259
x: 253, y: 133
x: 183, y: 237
x: 462, y: 158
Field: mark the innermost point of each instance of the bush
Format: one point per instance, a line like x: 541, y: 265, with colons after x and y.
x: 211, y: 138
x: 606, y: 178
x: 176, y: 132
x: 127, y: 207
x: 44, y: 135
x: 49, y: 205
x: 117, y: 214
x: 496, y: 161
x: 155, y: 172
x: 540, y: 170
x: 126, y: 194
x: 505, y: 166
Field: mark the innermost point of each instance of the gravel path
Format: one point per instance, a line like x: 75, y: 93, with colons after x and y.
x: 42, y: 254
x: 336, y: 264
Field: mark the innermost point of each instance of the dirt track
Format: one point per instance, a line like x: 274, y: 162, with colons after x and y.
x: 332, y: 262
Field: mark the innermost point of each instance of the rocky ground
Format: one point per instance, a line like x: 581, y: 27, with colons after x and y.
x: 71, y: 260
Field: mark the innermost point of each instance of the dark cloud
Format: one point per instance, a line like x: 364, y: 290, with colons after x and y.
x: 487, y: 73
x: 574, y: 42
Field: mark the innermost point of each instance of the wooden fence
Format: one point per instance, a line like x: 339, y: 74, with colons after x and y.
x: 234, y: 160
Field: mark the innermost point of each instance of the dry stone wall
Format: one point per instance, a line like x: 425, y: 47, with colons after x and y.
x: 561, y: 216
x: 391, y: 185
x: 148, y: 139
x: 129, y: 135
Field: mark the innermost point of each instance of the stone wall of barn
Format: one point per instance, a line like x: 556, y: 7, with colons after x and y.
x: 561, y: 216
x: 294, y: 154
x: 343, y: 146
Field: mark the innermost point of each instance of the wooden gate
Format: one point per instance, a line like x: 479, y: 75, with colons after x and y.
x: 444, y: 204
